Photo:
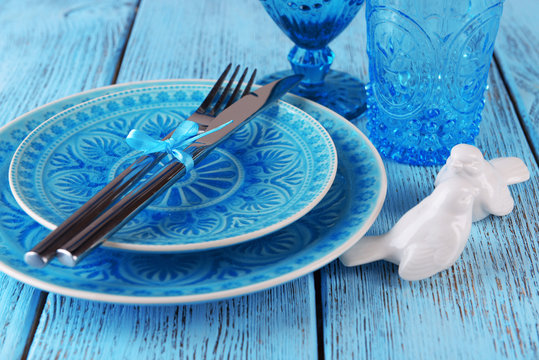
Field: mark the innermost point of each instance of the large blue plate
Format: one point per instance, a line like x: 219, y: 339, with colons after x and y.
x: 332, y: 227
x: 264, y: 177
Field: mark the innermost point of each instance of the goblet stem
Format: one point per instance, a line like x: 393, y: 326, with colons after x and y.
x: 336, y: 90
x: 312, y: 64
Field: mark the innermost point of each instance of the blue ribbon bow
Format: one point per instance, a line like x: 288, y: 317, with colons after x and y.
x: 184, y: 135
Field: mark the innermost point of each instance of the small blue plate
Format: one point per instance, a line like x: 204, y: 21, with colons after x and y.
x: 265, y: 176
x: 332, y: 227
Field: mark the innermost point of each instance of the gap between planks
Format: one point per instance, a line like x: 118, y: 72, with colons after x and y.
x: 39, y: 310
x: 120, y: 60
x: 319, y: 312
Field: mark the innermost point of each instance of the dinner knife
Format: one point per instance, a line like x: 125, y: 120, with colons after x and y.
x: 229, y: 121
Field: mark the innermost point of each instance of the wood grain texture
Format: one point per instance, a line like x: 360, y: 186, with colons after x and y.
x: 517, y: 54
x: 166, y: 42
x: 196, y: 39
x: 248, y: 327
x: 52, y: 49
x: 47, y: 51
x: 484, y: 307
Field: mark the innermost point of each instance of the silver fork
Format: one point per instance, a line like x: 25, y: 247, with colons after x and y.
x: 45, y: 250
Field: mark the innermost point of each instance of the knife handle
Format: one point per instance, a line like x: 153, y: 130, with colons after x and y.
x: 45, y: 250
x: 120, y: 213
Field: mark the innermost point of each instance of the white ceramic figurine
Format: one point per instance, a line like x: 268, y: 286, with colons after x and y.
x: 431, y: 236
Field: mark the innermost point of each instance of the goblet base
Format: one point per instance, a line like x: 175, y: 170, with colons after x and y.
x: 340, y: 92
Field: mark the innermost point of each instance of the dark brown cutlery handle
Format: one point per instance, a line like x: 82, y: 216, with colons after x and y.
x: 118, y: 214
x: 45, y: 250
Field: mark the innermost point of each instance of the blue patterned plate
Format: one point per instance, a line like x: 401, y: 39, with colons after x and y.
x: 332, y: 227
x: 267, y: 175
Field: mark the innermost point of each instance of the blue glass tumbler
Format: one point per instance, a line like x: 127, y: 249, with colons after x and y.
x: 428, y: 67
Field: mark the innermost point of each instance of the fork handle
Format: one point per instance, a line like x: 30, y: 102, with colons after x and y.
x: 45, y: 250
x: 121, y: 212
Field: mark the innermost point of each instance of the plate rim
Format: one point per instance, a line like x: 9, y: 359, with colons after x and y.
x: 178, y: 247
x: 216, y: 295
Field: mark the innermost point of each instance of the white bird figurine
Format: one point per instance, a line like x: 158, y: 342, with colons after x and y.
x: 431, y: 236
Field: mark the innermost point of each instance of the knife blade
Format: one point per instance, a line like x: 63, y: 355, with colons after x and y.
x: 241, y: 112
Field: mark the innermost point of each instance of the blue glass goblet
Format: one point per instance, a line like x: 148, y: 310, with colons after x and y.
x: 311, y: 25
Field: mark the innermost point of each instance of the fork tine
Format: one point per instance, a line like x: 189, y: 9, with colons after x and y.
x: 247, y: 89
x: 214, y: 90
x: 237, y: 89
x: 225, y: 92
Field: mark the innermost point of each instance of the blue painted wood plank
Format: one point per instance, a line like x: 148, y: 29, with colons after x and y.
x: 53, y: 49
x: 249, y: 327
x: 49, y: 50
x: 167, y: 41
x: 517, y: 53
x: 197, y: 39
x: 486, y: 306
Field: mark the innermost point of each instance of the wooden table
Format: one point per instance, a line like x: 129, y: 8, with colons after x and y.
x: 486, y: 306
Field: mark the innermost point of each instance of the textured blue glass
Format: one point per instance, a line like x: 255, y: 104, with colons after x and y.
x: 311, y: 25
x: 428, y: 66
